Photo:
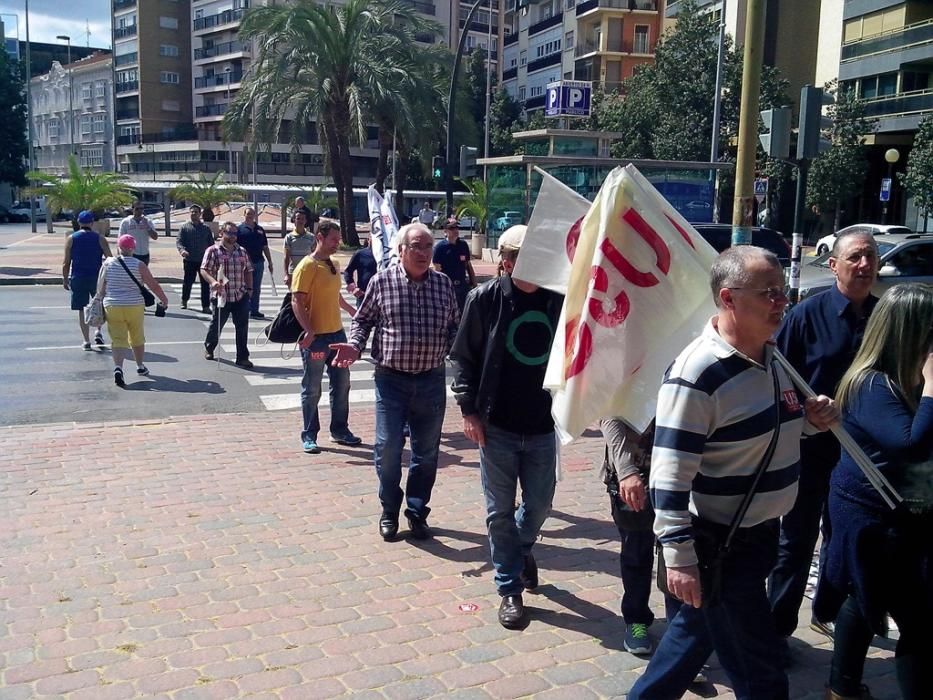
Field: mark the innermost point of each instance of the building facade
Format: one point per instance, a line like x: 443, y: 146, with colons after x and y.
x: 71, y: 114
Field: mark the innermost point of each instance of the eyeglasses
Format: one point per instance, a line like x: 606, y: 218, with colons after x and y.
x: 425, y: 248
x: 772, y: 293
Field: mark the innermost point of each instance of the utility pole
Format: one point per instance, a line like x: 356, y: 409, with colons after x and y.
x: 717, y: 108
x: 743, y: 209
x: 32, y: 153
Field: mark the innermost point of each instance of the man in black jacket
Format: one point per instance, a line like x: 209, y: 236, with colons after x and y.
x: 501, y: 352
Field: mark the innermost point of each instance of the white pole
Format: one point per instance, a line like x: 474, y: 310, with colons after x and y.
x: 32, y: 153
x: 488, y: 84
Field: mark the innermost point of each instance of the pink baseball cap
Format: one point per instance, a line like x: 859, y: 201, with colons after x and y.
x: 126, y: 241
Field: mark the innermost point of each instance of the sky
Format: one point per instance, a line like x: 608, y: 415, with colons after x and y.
x: 49, y: 18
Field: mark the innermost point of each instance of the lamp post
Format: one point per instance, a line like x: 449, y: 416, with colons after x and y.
x: 29, y: 127
x: 891, y: 156
x: 71, y: 95
x: 228, y: 73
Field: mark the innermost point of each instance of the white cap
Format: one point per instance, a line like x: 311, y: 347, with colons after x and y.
x: 513, y: 237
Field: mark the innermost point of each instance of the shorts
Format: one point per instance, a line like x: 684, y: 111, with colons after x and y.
x: 125, y: 325
x: 82, y: 289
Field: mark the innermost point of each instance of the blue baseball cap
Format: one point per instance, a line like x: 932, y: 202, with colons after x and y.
x: 85, y: 217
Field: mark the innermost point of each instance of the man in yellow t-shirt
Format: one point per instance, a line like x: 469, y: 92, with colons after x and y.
x: 316, y: 301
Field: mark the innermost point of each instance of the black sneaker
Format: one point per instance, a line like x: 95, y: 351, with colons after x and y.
x: 118, y: 377
x: 99, y: 338
x: 257, y: 315
x: 184, y: 304
x: 142, y: 371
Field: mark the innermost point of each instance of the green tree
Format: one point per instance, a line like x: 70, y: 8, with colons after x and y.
x: 206, y: 191
x: 81, y: 189
x: 476, y: 204
x: 13, y: 146
x: 918, y: 179
x: 327, y: 65
x: 838, y: 174
x: 504, y: 112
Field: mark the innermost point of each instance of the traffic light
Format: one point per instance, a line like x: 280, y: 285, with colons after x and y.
x: 810, y: 141
x: 776, y: 138
x: 437, y: 167
x: 468, y: 161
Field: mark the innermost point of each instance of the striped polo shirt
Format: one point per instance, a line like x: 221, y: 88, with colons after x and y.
x: 121, y: 289
x: 715, y: 419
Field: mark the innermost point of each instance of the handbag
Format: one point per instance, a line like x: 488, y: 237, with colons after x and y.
x: 285, y: 327
x: 914, y: 482
x: 710, y: 546
x: 94, y: 314
x: 148, y: 297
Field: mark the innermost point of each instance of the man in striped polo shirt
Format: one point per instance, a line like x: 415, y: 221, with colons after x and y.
x: 715, y: 421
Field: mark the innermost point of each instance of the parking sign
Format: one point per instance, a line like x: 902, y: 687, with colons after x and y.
x: 885, y: 195
x: 568, y: 98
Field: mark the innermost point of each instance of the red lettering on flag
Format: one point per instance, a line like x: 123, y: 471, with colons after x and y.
x: 573, y: 237
x: 681, y: 231
x: 651, y: 237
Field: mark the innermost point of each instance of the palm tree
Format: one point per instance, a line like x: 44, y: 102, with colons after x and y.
x: 81, y: 189
x: 206, y: 192
x: 316, y: 199
x: 477, y: 204
x: 326, y: 65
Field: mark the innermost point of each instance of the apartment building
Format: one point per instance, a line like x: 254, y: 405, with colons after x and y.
x: 71, y: 113
x: 602, y: 41
x: 483, y: 32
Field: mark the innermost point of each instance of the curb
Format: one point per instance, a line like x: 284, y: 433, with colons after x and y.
x: 51, y: 281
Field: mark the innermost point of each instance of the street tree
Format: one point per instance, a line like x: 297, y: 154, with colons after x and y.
x: 504, y: 113
x: 918, y: 179
x: 325, y: 65
x: 80, y: 189
x: 13, y: 146
x: 207, y: 191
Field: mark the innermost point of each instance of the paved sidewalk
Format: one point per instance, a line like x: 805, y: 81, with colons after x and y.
x: 207, y: 557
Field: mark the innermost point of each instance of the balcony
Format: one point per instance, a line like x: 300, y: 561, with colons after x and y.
x: 631, y: 5
x: 127, y: 114
x: 126, y: 59
x: 127, y: 86
x: 906, y: 103
x: 123, y: 4
x: 906, y: 37
x: 510, y: 73
x: 217, y: 110
x: 544, y: 62
x: 218, y: 80
x: 223, y: 49
x: 425, y: 8
x: 221, y: 18
x: 510, y: 39
x: 584, y: 48
x: 123, y: 32
x: 181, y: 132
x: 552, y: 21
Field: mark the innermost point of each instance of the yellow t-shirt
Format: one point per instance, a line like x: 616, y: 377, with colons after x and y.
x: 322, y: 287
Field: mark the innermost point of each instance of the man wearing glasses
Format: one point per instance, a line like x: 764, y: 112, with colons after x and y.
x: 140, y: 228
x: 316, y: 301
x: 820, y: 337
x: 725, y: 411
x: 414, y: 313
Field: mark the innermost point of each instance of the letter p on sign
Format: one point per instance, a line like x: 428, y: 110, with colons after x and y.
x: 576, y: 97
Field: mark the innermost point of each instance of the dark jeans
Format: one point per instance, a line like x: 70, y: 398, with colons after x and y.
x: 142, y: 258
x: 315, y: 359
x: 192, y: 272
x: 799, y: 531
x: 636, y: 560
x: 420, y: 401
x: 461, y: 289
x: 239, y: 310
x: 258, y: 268
x: 739, y: 628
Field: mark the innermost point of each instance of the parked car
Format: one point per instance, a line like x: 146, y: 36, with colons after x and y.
x: 904, y: 257
x: 720, y: 237
x: 19, y: 211
x: 825, y: 244
x: 508, y: 218
x: 4, y: 214
x: 467, y: 222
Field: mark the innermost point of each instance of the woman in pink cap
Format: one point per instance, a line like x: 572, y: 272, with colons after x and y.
x: 119, y: 287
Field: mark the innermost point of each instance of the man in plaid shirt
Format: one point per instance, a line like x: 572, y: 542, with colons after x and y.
x: 227, y: 269
x: 414, y: 312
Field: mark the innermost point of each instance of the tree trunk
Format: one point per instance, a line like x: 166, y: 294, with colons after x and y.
x: 382, y: 165
x: 338, y: 153
x: 401, y: 181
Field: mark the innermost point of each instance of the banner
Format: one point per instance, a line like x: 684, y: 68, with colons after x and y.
x: 383, y: 229
x: 552, y: 235
x: 638, y: 293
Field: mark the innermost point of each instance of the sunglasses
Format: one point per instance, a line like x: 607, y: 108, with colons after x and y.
x: 331, y: 267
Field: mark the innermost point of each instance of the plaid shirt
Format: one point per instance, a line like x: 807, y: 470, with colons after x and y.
x: 235, y: 266
x: 415, y: 322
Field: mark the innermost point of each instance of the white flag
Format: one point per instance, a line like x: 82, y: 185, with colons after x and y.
x: 383, y: 229
x: 638, y: 293
x: 552, y: 235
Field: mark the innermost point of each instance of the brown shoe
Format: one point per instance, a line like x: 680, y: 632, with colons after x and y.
x: 863, y: 694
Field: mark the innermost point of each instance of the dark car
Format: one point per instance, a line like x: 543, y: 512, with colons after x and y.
x: 720, y: 237
x: 4, y: 215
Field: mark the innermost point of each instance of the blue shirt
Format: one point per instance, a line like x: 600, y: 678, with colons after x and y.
x: 820, y: 337
x: 363, y: 263
x: 253, y: 240
x: 86, y: 253
x: 453, y: 259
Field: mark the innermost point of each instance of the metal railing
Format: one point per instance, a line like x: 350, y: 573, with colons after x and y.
x: 425, y: 8
x: 545, y: 61
x: 633, y: 5
x: 221, y: 49
x: 218, y: 80
x: 552, y: 21
x: 903, y: 104
x: 894, y: 40
x: 126, y: 59
x: 182, y: 132
x: 225, y: 17
x: 121, y: 32
x: 123, y: 4
x: 126, y: 86
x: 585, y: 47
x: 510, y: 73
x: 217, y: 110
x: 127, y: 114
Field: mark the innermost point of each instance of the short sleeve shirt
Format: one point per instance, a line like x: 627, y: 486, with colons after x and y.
x: 253, y: 240
x: 321, y: 284
x: 298, y: 247
x: 138, y: 230
x: 453, y: 259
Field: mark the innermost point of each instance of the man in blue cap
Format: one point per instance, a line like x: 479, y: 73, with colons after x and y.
x: 85, y: 250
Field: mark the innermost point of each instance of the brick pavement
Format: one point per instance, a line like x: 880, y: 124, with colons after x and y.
x: 207, y: 557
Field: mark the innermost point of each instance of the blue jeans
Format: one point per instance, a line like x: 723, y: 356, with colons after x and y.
x: 739, y: 628
x: 799, y: 531
x: 420, y: 401
x: 258, y: 269
x: 315, y: 358
x: 507, y: 460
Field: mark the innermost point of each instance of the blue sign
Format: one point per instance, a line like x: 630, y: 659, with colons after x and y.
x: 885, y: 195
x: 568, y: 98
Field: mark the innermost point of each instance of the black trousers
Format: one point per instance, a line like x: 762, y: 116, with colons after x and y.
x: 239, y: 310
x: 192, y: 272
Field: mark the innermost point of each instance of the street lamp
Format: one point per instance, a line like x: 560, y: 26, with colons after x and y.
x: 892, y: 155
x: 228, y: 73
x: 71, y: 95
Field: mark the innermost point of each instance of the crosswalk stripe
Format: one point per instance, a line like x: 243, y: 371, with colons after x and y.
x: 282, y: 402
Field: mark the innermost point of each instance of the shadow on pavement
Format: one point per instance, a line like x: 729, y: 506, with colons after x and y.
x: 177, y: 386
x: 157, y: 357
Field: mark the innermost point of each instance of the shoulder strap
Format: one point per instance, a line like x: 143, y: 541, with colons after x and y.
x: 765, y: 460
x: 132, y: 276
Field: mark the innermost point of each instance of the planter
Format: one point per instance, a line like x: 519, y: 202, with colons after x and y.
x: 102, y: 227
x: 477, y: 243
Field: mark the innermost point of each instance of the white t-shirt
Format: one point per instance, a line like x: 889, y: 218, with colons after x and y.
x: 138, y: 230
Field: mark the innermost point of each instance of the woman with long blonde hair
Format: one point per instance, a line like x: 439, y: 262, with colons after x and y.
x: 878, y: 561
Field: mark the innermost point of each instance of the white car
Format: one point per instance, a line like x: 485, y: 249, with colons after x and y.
x: 507, y: 220
x: 825, y: 244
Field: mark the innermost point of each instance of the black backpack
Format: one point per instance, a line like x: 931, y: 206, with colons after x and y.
x: 285, y: 327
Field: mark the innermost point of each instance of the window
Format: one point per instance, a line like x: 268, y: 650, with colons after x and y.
x: 521, y: 93
x: 100, y: 88
x: 99, y: 120
x: 85, y: 124
x: 126, y: 76
x: 641, y: 38
x: 170, y: 106
x: 92, y: 157
x: 53, y: 128
x: 168, y: 22
x: 569, y: 4
x: 132, y: 130
x: 537, y: 90
x: 168, y: 77
x: 523, y: 58
x: 568, y: 41
x: 168, y: 50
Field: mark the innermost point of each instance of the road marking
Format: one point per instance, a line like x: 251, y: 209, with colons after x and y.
x: 282, y: 402
x: 26, y: 240
x: 360, y: 375
x: 148, y: 344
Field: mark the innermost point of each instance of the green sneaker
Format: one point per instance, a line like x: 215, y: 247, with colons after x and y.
x: 636, y: 639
